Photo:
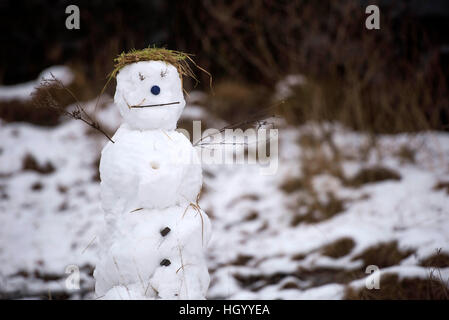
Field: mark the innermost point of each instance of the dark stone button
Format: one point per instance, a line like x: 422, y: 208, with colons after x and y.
x: 165, y: 262
x: 165, y: 231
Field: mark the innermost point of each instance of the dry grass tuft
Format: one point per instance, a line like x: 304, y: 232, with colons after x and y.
x: 290, y: 285
x: 292, y: 185
x: 253, y: 215
x: 320, y: 156
x: 393, y: 288
x: 299, y: 256
x: 236, y: 101
x: 176, y: 58
x: 338, y: 248
x: 16, y: 110
x: 442, y: 185
x: 318, y: 211
x: 241, y: 260
x: 406, y: 154
x: 372, y: 175
x: 180, y: 60
x: 383, y: 255
x: 25, y: 110
x: 37, y: 186
x: 437, y: 260
x: 30, y: 163
x: 310, y: 277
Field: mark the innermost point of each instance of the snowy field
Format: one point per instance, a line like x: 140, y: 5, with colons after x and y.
x: 302, y: 233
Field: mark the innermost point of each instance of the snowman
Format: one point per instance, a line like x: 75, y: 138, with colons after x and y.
x: 153, y: 245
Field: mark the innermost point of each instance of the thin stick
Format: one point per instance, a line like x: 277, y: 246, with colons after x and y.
x: 261, y: 116
x: 43, y: 98
x: 90, y: 243
x: 155, y: 105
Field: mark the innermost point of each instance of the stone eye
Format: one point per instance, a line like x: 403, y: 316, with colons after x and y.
x: 155, y: 90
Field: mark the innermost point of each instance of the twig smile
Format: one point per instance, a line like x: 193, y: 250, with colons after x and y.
x: 154, y: 105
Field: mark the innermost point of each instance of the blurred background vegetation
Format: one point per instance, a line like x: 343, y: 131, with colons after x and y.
x: 390, y: 80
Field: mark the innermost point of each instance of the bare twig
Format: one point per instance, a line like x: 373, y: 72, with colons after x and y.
x: 258, y: 119
x: 43, y: 98
x: 154, y: 105
x: 90, y: 243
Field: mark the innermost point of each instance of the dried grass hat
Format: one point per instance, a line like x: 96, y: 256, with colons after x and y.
x: 180, y: 60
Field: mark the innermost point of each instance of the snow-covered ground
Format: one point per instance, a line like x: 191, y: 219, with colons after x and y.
x: 50, y: 214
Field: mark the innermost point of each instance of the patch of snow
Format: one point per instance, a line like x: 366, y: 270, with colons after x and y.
x: 48, y: 229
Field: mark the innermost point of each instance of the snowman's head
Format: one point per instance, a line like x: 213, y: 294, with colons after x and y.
x: 149, y: 95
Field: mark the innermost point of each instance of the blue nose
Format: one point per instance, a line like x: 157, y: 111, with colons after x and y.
x: 155, y: 90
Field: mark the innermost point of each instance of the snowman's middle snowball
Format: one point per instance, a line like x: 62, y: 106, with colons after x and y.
x: 148, y: 169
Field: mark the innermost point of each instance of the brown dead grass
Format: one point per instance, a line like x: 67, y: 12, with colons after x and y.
x: 317, y: 162
x: 299, y: 256
x: 442, y: 185
x: 16, y: 110
x: 311, y: 208
x: 290, y: 285
x: 312, y: 277
x: 437, y: 260
x: 338, y: 248
x: 393, y: 288
x: 391, y: 81
x: 383, y: 255
x: 292, y: 185
x: 253, y: 215
x: 237, y: 101
x: 372, y: 175
x: 30, y: 163
x: 26, y: 110
x: 178, y: 59
x: 241, y: 260
x: 318, y: 211
x: 406, y: 154
x: 37, y: 186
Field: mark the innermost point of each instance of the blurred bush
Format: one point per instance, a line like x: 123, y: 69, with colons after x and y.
x: 389, y: 80
x: 34, y: 35
x: 235, y: 101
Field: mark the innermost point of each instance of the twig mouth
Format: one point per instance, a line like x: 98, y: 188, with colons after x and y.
x: 155, y: 105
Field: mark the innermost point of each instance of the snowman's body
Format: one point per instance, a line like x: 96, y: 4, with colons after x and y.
x: 153, y: 245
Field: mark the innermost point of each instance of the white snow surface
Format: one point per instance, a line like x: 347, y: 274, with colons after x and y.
x: 53, y: 220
